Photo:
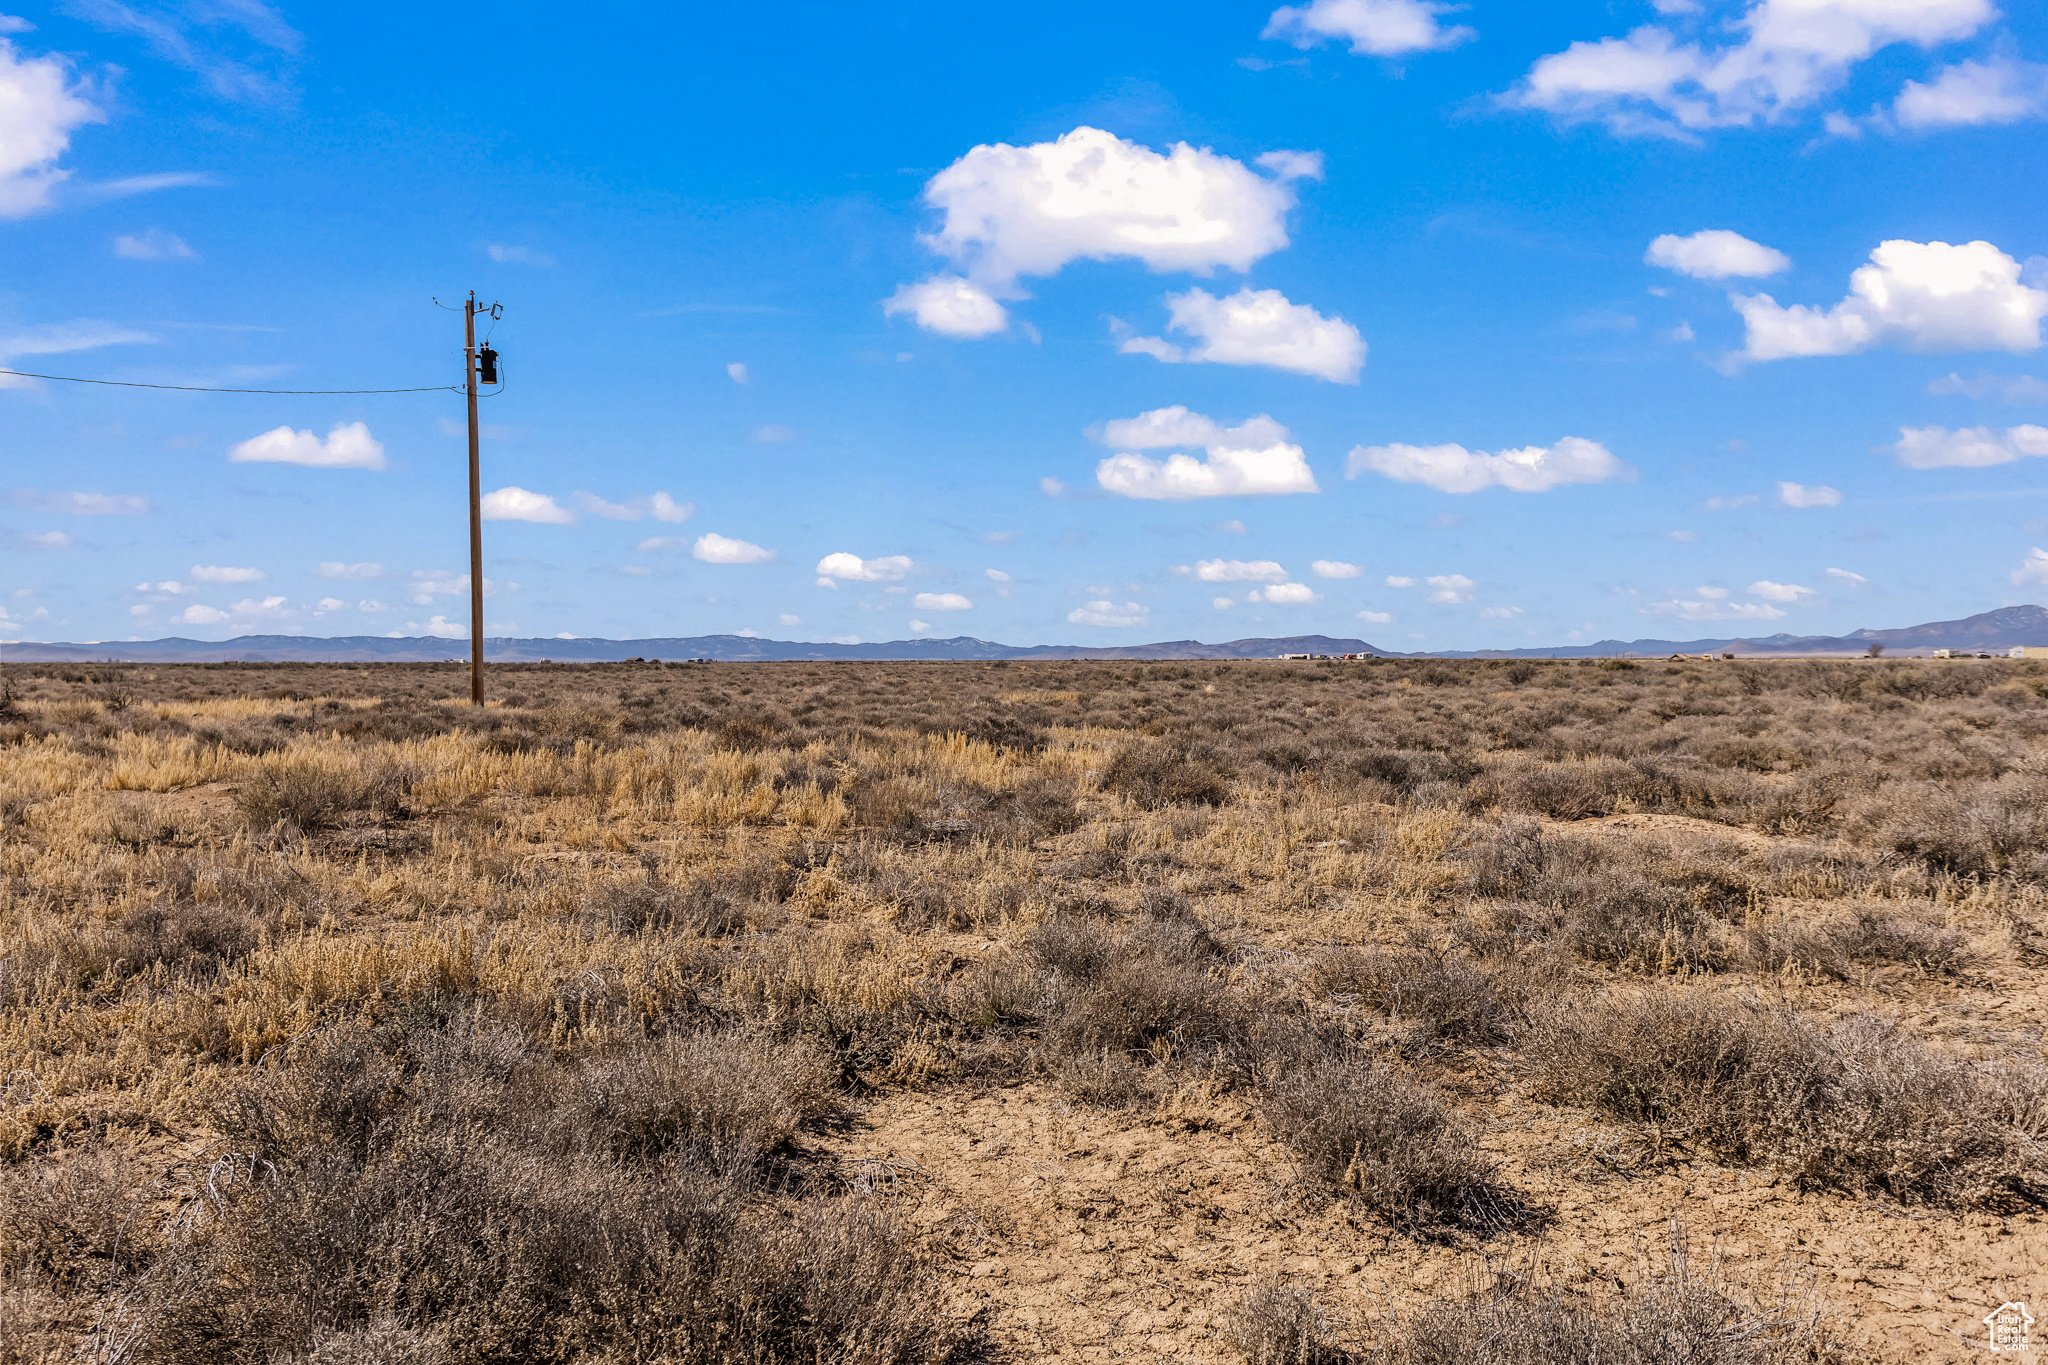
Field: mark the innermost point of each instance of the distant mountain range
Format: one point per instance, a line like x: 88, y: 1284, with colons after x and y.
x: 1992, y: 630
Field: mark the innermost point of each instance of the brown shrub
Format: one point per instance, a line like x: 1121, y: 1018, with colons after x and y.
x: 69, y: 1220
x: 1855, y: 1105
x: 459, y: 1193
x: 1636, y: 923
x: 1440, y: 997
x: 741, y: 1093
x: 1176, y: 772
x: 1683, y: 1314
x: 314, y: 794
x: 1281, y: 1324
x: 186, y: 937
x: 1387, y: 1141
x: 1834, y: 945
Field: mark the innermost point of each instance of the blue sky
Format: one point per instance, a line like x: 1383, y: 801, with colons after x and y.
x: 1442, y: 326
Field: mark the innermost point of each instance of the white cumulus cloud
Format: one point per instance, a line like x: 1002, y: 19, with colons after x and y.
x: 1395, y: 580
x: 1925, y: 296
x: 1808, y: 495
x: 1778, y: 592
x: 41, y: 105
x: 198, y: 615
x: 348, y: 446
x: 949, y: 305
x: 1010, y: 212
x: 334, y: 568
x: 1998, y: 91
x: 1781, y: 56
x: 513, y: 503
x: 1289, y: 594
x: 1454, y: 469
x: 996, y: 575
x: 853, y: 569
x: 1450, y: 588
x: 225, y: 573
x: 1378, y: 618
x: 1852, y: 579
x: 1251, y: 459
x: 1257, y: 327
x: 941, y: 601
x: 737, y: 372
x: 712, y: 548
x: 1968, y: 447
x: 1105, y: 613
x: 1499, y: 613
x: 2033, y: 570
x: 1235, y: 571
x: 1334, y: 568
x: 1715, y: 254
x: 1377, y: 28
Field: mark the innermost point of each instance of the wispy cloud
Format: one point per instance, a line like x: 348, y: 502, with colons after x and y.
x: 242, y: 49
x: 153, y: 245
x: 518, y: 255
x: 83, y: 504
x: 130, y: 186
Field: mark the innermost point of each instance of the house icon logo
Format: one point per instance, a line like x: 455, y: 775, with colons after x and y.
x: 2007, y: 1327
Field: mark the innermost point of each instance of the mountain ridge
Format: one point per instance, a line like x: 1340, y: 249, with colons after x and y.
x: 1996, y: 630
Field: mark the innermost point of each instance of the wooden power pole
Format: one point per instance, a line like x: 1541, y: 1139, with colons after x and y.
x: 476, y: 511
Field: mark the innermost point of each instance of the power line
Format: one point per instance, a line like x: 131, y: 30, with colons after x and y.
x: 198, y: 388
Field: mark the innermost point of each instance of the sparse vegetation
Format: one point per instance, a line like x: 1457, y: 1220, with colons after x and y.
x: 340, y: 1021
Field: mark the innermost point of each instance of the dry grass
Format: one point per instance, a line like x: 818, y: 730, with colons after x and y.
x: 340, y: 1022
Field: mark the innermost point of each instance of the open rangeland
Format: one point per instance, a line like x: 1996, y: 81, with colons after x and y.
x: 1408, y: 1011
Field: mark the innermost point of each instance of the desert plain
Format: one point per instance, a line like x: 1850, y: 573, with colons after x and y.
x: 1608, y: 1010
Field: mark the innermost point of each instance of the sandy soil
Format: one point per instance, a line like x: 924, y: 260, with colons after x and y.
x: 1080, y: 1234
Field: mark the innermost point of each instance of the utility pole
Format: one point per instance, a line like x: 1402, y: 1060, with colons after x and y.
x: 476, y: 511
x: 477, y: 362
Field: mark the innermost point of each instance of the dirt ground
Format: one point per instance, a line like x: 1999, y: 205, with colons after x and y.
x: 1083, y: 1234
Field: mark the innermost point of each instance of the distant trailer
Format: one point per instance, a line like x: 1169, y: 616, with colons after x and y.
x: 2027, y: 652
x: 1303, y: 658
x: 1944, y: 654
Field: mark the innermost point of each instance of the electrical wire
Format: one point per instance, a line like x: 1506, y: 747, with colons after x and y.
x: 196, y: 388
